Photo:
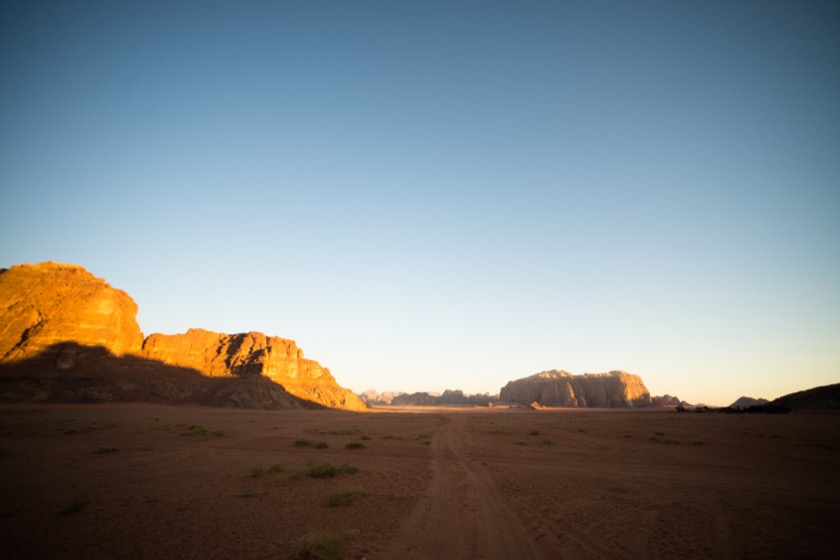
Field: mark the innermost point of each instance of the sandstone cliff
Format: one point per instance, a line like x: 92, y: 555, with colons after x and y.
x: 67, y: 336
x: 248, y: 355
x: 615, y: 389
x: 45, y: 304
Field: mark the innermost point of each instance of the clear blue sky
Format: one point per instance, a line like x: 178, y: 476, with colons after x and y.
x: 429, y: 195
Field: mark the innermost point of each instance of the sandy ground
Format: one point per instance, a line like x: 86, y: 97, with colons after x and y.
x: 148, y: 481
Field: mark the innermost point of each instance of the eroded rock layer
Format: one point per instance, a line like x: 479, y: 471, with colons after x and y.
x: 616, y: 389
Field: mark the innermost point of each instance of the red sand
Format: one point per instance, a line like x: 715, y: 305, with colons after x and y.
x: 123, y: 481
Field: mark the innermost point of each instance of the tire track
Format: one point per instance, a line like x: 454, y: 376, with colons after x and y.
x: 462, y: 514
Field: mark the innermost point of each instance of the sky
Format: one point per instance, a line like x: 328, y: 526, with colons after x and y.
x: 444, y: 194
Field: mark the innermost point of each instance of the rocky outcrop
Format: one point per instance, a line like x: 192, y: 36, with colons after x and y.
x: 252, y: 354
x: 744, y: 402
x: 448, y: 398
x: 667, y: 400
x: 47, y: 304
x: 826, y: 397
x: 374, y: 397
x: 66, y: 331
x: 616, y: 389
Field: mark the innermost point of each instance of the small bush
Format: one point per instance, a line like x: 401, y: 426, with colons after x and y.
x: 355, y: 445
x: 304, y: 442
x: 344, y: 496
x: 348, y: 469
x: 257, y: 471
x: 398, y: 497
x: 318, y: 545
x: 365, y: 438
x: 321, y: 445
x: 276, y: 467
x: 521, y: 442
x: 534, y: 433
x: 201, y: 430
x: 403, y: 437
x: 345, y: 432
x: 546, y: 442
x: 314, y: 469
x: 660, y: 437
x: 103, y: 450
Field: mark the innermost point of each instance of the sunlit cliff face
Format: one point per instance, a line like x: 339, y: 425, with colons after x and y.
x: 50, y: 303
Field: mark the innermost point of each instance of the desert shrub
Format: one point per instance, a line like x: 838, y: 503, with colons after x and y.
x: 521, y: 442
x: 201, y: 430
x: 534, y: 433
x: 276, y: 467
x: 345, y: 432
x: 257, y: 471
x: 321, y: 445
x: 314, y: 469
x: 318, y: 545
x: 348, y: 469
x: 546, y: 442
x: 398, y: 497
x: 304, y: 442
x: 404, y: 437
x: 355, y: 445
x: 344, y: 496
x: 103, y: 450
x: 660, y: 437
x: 365, y: 438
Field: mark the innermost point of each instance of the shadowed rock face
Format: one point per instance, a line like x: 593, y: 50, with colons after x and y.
x: 615, y: 389
x: 53, y: 314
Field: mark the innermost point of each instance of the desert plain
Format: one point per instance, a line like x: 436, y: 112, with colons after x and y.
x: 154, y: 481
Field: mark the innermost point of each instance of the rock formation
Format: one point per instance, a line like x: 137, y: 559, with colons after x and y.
x: 744, y: 402
x: 448, y: 398
x: 70, y: 337
x: 826, y: 397
x: 615, y: 389
x: 45, y: 304
x: 667, y: 400
x: 248, y: 355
